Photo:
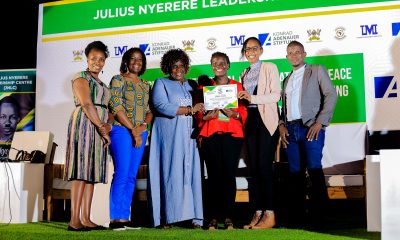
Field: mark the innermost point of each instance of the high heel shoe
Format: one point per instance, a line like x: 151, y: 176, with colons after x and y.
x: 213, y: 225
x: 228, y: 224
x: 256, y: 218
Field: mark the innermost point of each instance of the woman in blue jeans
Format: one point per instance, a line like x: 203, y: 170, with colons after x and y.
x: 130, y: 105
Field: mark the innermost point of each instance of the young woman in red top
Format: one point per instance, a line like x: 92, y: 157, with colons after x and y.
x: 221, y: 133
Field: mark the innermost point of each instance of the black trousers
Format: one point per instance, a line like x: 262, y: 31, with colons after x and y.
x: 221, y: 152
x: 261, y: 147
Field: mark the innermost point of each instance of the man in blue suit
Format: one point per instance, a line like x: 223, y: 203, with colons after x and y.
x: 309, y: 100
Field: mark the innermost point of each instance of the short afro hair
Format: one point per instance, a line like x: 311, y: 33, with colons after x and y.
x: 173, y: 56
x: 98, y: 45
x: 220, y: 54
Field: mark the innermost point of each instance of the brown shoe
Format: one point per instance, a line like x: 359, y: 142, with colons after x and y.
x: 267, y: 221
x: 254, y: 221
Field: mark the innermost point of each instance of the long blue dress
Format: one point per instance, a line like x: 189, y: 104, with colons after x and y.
x: 174, y: 163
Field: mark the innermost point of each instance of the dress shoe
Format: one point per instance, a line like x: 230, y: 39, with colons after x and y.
x: 213, y: 225
x: 131, y: 226
x: 228, y: 224
x: 256, y: 218
x: 80, y: 229
x: 97, y: 227
x: 117, y: 226
x: 267, y: 221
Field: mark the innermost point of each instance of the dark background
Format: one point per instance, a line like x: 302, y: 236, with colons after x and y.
x: 19, y: 23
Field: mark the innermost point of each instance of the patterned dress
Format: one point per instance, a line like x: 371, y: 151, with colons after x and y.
x: 86, y: 157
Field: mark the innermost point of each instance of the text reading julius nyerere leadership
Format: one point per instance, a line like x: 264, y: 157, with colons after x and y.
x: 169, y: 6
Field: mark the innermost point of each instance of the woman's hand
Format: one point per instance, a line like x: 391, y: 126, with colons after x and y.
x: 106, y: 140
x: 283, y: 132
x: 136, y: 131
x: 138, y: 141
x: 108, y: 127
x: 199, y: 107
x: 211, y: 115
x: 244, y: 95
x: 105, y: 128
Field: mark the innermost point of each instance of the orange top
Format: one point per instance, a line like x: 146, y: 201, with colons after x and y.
x: 234, y: 126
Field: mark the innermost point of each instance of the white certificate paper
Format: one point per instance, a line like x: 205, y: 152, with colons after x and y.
x: 221, y: 96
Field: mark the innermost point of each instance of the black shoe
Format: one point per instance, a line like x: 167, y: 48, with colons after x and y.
x: 81, y: 229
x: 117, y: 226
x: 97, y: 227
x: 228, y: 224
x: 131, y: 226
x: 213, y: 225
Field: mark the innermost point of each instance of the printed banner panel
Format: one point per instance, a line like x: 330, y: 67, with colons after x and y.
x: 17, y: 105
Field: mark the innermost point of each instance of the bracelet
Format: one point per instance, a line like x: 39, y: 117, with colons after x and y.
x: 190, y: 111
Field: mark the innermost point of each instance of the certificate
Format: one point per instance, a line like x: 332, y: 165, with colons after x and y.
x: 221, y: 96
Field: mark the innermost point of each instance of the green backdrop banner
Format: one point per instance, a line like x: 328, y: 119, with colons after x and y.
x: 346, y: 72
x: 103, y: 14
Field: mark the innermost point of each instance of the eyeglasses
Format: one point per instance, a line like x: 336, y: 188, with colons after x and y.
x: 252, y: 49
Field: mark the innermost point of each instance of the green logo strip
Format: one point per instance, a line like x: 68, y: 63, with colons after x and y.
x: 105, y: 14
x: 346, y: 72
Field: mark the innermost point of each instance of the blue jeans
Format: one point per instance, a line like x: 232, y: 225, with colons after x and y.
x: 300, y: 149
x: 126, y: 159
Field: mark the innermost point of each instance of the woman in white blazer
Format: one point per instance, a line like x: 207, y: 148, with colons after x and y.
x: 262, y: 92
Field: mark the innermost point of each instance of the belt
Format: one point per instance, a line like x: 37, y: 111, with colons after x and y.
x: 296, y: 121
x: 96, y: 104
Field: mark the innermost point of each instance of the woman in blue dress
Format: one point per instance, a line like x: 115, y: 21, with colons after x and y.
x: 174, y: 163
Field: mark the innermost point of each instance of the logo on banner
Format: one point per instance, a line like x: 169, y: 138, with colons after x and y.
x: 120, y: 50
x: 211, y: 43
x: 78, y: 55
x: 395, y: 28
x: 157, y: 48
x: 237, y: 41
x: 265, y: 39
x: 386, y: 87
x: 283, y: 37
x: 368, y: 31
x: 314, y: 35
x: 145, y: 48
x: 340, y: 33
x: 188, y: 45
